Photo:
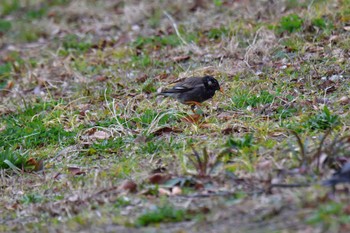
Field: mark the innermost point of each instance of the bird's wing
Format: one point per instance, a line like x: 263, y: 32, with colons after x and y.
x: 187, y: 85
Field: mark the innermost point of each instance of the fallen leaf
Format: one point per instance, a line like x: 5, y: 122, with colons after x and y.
x: 161, y: 76
x: 225, y: 116
x: 176, y: 191
x: 181, y: 58
x: 194, y: 118
x: 100, y: 135
x: 100, y: 78
x: 165, y: 130
x: 163, y: 191
x: 344, y: 100
x: 75, y: 171
x: 38, y: 165
x: 128, y: 186
x: 142, y: 78
x: 158, y: 178
x: 73, y: 198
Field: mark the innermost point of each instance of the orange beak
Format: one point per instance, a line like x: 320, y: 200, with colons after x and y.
x: 221, y: 90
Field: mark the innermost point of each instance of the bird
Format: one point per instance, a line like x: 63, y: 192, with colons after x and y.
x: 342, y: 176
x: 194, y: 90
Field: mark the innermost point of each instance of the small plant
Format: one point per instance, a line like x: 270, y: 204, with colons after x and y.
x: 322, y: 121
x: 31, y: 198
x: 72, y: 42
x: 36, y: 13
x: 290, y: 23
x: 110, y: 146
x: 12, y: 159
x: 217, y: 3
x: 243, y: 98
x: 122, y: 202
x: 29, y: 128
x: 5, y: 26
x: 240, y: 143
x: 326, y: 213
x: 8, y: 6
x: 162, y: 214
x: 217, y: 33
x: 206, y: 163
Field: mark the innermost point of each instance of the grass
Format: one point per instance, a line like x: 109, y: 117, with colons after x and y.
x: 161, y: 214
x: 85, y: 144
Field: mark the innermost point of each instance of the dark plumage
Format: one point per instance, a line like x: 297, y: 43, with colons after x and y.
x: 194, y: 91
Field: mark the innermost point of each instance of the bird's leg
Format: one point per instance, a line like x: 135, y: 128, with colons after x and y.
x: 193, y: 107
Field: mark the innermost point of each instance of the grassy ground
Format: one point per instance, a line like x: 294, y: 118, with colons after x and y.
x: 85, y: 146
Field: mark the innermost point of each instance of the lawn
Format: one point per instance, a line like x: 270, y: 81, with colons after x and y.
x: 86, y: 145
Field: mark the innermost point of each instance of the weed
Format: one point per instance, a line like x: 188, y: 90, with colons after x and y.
x: 28, y: 129
x: 9, y: 158
x: 5, y: 71
x: 217, y: 3
x: 111, y: 146
x: 322, y: 121
x: 31, y: 198
x: 326, y: 213
x: 5, y: 26
x: 36, y: 13
x: 72, y: 42
x: 240, y: 143
x: 122, y: 202
x: 244, y: 98
x: 206, y: 163
x: 162, y: 214
x: 8, y: 6
x: 290, y: 23
x: 218, y: 33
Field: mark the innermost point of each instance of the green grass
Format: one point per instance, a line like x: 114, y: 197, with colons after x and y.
x: 29, y: 129
x: 330, y: 215
x: 322, y: 121
x: 162, y: 214
x: 290, y: 23
x: 244, y: 98
x: 97, y: 73
x: 10, y: 158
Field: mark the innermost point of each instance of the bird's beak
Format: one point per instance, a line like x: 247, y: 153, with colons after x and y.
x: 221, y: 90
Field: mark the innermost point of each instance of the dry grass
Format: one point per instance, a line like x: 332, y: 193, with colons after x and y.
x: 99, y: 151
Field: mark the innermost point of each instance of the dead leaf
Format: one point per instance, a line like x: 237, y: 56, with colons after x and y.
x: 181, y: 58
x: 194, y: 118
x: 73, y: 198
x: 128, y: 186
x: 158, y: 178
x: 166, y: 130
x: 100, y: 78
x: 161, y: 76
x: 38, y: 165
x: 75, y: 171
x: 225, y: 116
x: 229, y: 130
x: 142, y: 78
x: 344, y: 100
x: 163, y: 191
x: 100, y: 135
x: 176, y: 191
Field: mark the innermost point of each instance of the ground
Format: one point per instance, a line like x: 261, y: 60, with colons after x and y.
x: 86, y: 145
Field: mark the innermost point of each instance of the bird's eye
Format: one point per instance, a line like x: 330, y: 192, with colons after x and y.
x: 210, y: 83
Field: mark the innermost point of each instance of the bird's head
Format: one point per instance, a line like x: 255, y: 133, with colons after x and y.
x: 211, y: 83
